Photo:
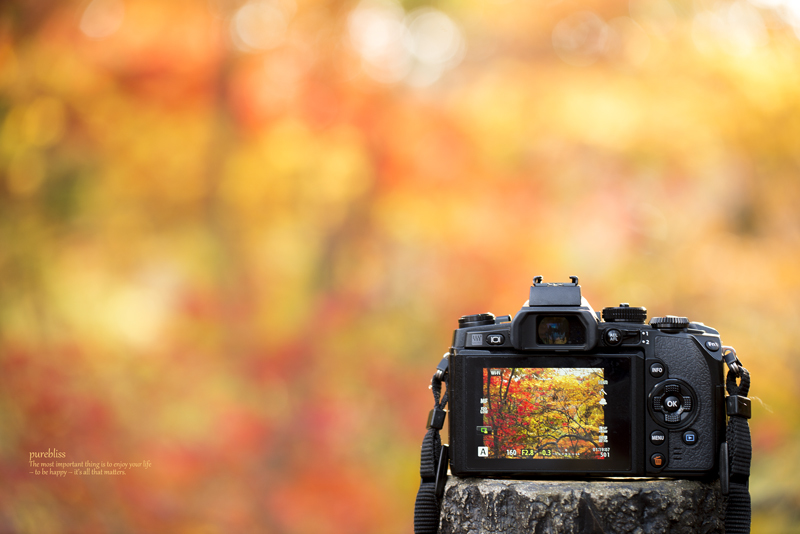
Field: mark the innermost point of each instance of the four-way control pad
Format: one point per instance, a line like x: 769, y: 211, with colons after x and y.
x: 672, y: 403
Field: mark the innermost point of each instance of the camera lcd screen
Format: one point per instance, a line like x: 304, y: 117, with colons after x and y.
x: 547, y: 413
x: 544, y: 413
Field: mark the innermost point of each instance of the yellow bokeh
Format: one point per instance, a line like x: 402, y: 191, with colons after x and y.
x: 235, y: 237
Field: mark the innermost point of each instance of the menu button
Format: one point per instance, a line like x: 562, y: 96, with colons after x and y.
x: 657, y: 437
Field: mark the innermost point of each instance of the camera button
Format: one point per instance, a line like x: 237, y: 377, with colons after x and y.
x: 613, y: 337
x: 495, y: 339
x: 657, y: 437
x: 712, y: 345
x: 671, y: 404
x: 657, y: 369
x: 658, y: 460
x: 690, y: 437
x: 672, y: 418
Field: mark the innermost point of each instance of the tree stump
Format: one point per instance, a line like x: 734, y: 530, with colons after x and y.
x: 629, y: 506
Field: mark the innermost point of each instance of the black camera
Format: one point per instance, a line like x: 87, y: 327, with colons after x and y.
x: 561, y: 390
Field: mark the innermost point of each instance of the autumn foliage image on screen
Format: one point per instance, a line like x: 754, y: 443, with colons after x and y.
x: 552, y: 413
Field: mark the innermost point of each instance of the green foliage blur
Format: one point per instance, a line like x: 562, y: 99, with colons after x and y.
x: 235, y: 237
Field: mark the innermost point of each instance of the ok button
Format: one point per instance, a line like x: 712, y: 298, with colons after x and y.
x: 672, y: 404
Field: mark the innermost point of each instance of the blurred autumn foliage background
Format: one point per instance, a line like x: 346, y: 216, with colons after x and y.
x: 235, y: 236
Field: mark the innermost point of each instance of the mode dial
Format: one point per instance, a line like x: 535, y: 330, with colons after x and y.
x: 670, y: 322
x: 624, y: 313
x: 476, y: 320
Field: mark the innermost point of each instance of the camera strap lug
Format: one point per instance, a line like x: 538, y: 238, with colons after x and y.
x: 734, y: 365
x: 441, y: 369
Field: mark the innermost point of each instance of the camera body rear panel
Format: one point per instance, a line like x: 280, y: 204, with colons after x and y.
x: 560, y: 392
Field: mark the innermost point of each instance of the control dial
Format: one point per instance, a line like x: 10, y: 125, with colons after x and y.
x: 670, y: 322
x: 476, y: 320
x: 624, y: 313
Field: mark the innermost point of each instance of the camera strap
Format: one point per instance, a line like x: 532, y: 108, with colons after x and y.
x: 433, y: 461
x: 739, y: 448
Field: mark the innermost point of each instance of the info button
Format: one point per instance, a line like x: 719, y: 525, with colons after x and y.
x: 657, y: 369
